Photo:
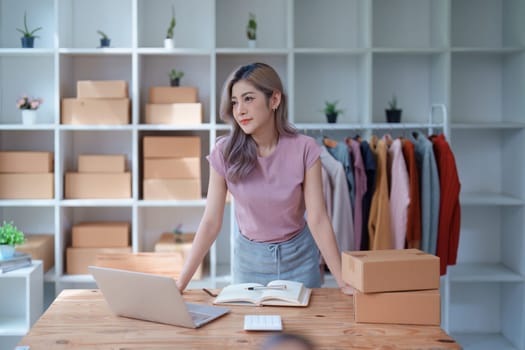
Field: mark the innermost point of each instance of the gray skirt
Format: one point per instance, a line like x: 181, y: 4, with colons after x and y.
x: 296, y: 259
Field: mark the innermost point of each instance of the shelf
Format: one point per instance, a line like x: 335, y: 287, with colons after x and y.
x: 96, y: 202
x: 27, y: 52
x: 76, y: 279
x: 160, y: 127
x: 487, y: 50
x: 488, y: 126
x: 174, y: 51
x: 95, y: 51
x: 409, y: 51
x: 22, y: 127
x: 486, y: 199
x: 328, y: 51
x: 172, y: 203
x: 127, y: 127
x: 365, y: 126
x: 10, y: 326
x: 248, y: 51
x: 473, y: 341
x: 483, y: 272
x: 27, y: 202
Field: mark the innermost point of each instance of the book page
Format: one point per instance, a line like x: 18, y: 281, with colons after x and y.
x: 294, y: 294
x: 239, y: 294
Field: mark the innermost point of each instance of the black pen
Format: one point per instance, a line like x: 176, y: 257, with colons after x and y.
x: 209, y: 293
x: 279, y: 287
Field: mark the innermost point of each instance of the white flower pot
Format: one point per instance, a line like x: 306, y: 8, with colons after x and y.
x: 169, y: 43
x: 6, y: 251
x: 29, y: 116
x: 251, y: 44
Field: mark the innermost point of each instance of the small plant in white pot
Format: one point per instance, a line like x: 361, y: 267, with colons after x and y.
x: 251, y: 31
x: 10, y: 236
x: 28, y: 106
x: 169, y: 42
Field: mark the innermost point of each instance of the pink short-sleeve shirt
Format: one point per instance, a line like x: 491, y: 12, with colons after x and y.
x: 269, y: 202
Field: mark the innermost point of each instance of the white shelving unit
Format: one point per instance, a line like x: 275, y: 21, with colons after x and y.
x: 21, y: 304
x: 468, y: 55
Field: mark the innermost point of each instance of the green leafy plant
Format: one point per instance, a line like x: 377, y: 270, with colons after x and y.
x: 173, y: 23
x: 11, y: 235
x: 251, y: 28
x: 392, y: 104
x: 176, y: 74
x: 330, y: 108
x: 102, y: 34
x: 26, y: 32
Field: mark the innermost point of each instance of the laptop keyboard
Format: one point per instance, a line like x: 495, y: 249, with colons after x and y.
x: 198, y: 317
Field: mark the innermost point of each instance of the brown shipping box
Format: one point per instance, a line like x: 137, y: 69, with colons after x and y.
x: 97, y: 185
x: 179, y: 189
x: 390, y: 270
x: 78, y: 259
x: 175, y: 113
x: 41, y: 247
x: 101, y: 235
x: 174, y: 243
x: 171, y: 146
x: 95, y: 111
x: 26, y: 162
x: 173, y: 94
x: 172, y: 168
x: 166, y: 264
x: 102, y: 89
x: 413, y: 307
x: 27, y: 186
x: 101, y: 163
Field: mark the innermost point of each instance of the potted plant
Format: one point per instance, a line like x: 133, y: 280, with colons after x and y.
x: 393, y: 113
x: 104, y: 40
x: 169, y: 42
x: 9, y: 237
x: 331, y: 112
x: 28, y: 106
x: 28, y: 38
x: 175, y: 77
x: 251, y: 30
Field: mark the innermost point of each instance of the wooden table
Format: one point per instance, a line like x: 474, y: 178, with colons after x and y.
x: 80, y: 319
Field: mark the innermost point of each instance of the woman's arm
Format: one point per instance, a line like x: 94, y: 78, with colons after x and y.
x: 320, y: 225
x: 209, y: 227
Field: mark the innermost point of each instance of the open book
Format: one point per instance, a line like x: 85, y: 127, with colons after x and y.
x: 276, y: 293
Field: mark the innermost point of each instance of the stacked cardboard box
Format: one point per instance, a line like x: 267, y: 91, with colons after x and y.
x: 92, y: 238
x: 394, y: 286
x: 180, y: 244
x: 172, y: 167
x: 98, y: 102
x: 173, y: 105
x: 99, y: 176
x: 26, y: 175
x: 41, y: 247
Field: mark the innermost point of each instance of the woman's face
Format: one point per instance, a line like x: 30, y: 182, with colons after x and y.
x: 250, y: 107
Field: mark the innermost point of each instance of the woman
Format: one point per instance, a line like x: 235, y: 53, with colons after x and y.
x: 274, y: 175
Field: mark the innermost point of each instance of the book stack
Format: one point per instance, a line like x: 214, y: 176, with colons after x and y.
x: 394, y: 286
x: 17, y: 261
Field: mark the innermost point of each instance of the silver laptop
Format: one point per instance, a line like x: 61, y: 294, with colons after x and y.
x: 152, y: 298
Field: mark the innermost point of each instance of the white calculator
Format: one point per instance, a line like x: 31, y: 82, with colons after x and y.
x: 263, y: 323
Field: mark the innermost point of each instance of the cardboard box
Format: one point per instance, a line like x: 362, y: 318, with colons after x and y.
x: 97, y: 185
x: 390, y: 270
x: 414, y: 307
x: 173, y: 94
x: 167, y: 264
x: 172, y: 168
x: 41, y: 247
x: 26, y: 162
x: 179, y: 189
x: 178, y: 243
x: 176, y: 113
x: 115, y: 111
x: 171, y: 146
x: 78, y: 259
x: 101, y: 163
x: 102, y: 89
x: 101, y: 235
x: 27, y: 186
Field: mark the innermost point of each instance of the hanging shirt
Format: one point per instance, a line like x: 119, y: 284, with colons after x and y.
x: 399, y: 193
x: 414, y: 207
x: 379, y: 226
x: 426, y: 163
x: 360, y: 189
x: 341, y: 209
x: 340, y: 153
x: 269, y: 202
x: 370, y: 169
x: 449, y: 209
